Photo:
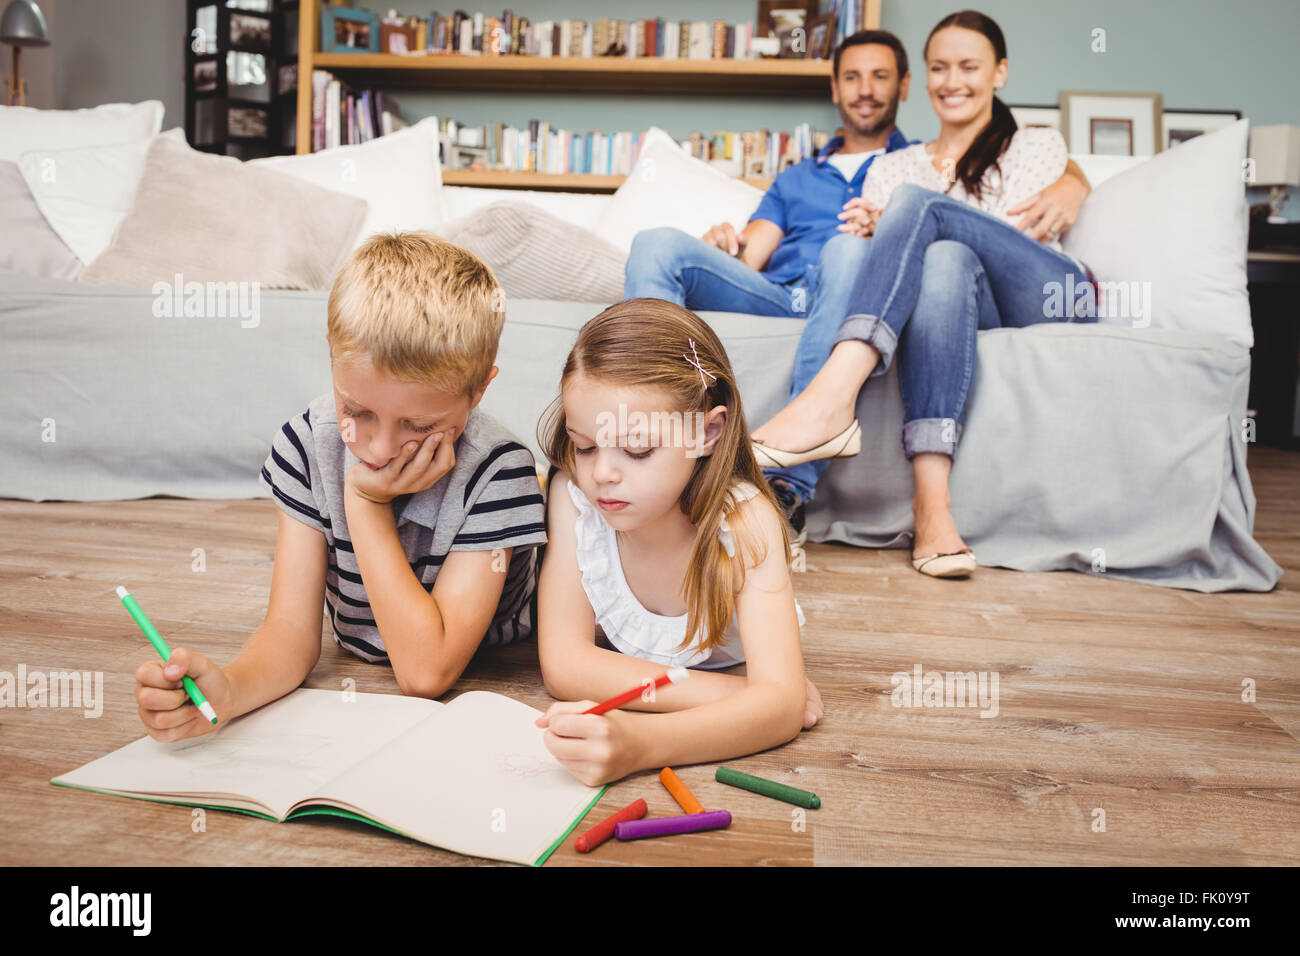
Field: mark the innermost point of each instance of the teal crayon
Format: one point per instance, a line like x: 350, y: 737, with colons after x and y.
x: 768, y: 788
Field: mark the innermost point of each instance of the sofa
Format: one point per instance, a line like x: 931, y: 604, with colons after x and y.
x: 1117, y: 448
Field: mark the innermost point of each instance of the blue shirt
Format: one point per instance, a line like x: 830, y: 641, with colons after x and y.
x: 805, y: 202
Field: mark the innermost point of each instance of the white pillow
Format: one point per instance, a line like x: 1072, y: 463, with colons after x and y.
x: 669, y: 188
x: 1174, y: 231
x: 84, y: 193
x: 23, y: 128
x: 398, y: 176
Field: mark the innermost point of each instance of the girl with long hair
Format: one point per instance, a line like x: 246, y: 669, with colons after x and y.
x: 663, y: 533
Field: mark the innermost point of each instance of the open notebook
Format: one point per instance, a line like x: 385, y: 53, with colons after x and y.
x: 471, y: 776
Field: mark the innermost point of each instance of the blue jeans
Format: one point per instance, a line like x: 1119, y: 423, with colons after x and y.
x: 940, y: 272
x: 669, y: 264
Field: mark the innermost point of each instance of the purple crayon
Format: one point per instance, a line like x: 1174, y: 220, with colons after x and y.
x: 666, y: 826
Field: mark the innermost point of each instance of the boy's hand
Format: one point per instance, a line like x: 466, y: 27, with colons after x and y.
x: 595, y: 748
x: 166, y: 710
x: 414, y: 468
x: 813, y: 709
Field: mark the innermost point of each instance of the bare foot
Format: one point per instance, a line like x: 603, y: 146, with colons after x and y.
x: 936, y: 533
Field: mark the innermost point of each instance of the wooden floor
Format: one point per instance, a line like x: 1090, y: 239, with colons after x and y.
x: 1114, y: 697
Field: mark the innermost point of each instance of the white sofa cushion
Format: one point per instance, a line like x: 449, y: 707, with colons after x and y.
x: 669, y: 188
x: 1174, y: 230
x: 23, y: 128
x: 398, y: 175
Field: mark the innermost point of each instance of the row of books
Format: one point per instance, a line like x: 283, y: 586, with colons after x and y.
x: 511, y: 34
x: 541, y: 148
x: 340, y: 117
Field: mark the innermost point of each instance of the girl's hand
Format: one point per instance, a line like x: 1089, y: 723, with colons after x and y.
x: 1048, y: 214
x: 166, y: 710
x: 860, y: 217
x: 595, y: 748
x: 414, y: 468
x: 813, y: 709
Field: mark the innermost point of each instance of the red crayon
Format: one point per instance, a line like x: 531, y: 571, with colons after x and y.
x: 674, y: 675
x: 604, y: 830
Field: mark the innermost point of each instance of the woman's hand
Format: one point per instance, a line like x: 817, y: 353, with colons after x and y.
x: 595, y: 748
x: 414, y: 468
x: 813, y: 709
x: 1049, y: 213
x: 860, y: 217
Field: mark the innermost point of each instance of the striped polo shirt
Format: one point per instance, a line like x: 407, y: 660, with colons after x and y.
x: 490, y: 499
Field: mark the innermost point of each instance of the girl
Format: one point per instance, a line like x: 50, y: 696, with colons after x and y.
x: 947, y: 261
x: 662, y: 531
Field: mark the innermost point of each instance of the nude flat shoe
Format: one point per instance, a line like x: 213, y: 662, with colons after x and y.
x: 954, y: 564
x: 846, y: 444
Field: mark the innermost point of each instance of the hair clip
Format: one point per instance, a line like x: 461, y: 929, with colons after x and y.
x: 696, y: 362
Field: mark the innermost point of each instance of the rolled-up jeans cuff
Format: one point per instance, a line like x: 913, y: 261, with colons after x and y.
x: 870, y: 329
x: 931, y: 435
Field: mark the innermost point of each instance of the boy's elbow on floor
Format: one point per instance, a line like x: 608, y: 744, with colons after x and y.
x: 429, y: 685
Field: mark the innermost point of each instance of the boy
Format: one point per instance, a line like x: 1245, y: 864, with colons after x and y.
x: 406, y: 510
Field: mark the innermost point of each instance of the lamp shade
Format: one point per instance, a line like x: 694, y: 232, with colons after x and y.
x: 1276, y: 152
x: 23, y: 25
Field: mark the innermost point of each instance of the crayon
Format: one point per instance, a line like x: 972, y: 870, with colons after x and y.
x: 675, y: 674
x: 685, y: 799
x: 666, y: 826
x: 602, y: 831
x: 768, y: 788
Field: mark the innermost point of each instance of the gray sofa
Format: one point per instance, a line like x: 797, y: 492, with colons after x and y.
x: 1086, y: 447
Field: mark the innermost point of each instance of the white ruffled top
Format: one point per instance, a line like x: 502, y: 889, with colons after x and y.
x: 625, y: 621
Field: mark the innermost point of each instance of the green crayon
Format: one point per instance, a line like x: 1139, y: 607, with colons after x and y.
x: 768, y: 788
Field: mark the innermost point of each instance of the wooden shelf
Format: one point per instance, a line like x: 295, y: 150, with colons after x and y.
x: 571, y: 182
x: 806, y: 78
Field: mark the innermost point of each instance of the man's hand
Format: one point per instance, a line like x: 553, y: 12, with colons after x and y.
x: 860, y: 217
x: 1049, y: 213
x: 725, y: 237
x: 414, y: 468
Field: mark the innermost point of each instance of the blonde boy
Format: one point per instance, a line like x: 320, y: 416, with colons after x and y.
x: 406, y: 511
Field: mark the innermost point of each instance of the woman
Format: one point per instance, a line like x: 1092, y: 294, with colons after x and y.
x: 946, y: 261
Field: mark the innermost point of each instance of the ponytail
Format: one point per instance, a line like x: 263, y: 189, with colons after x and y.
x: 987, y: 149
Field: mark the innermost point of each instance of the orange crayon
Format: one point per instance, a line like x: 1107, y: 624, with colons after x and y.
x: 684, y: 797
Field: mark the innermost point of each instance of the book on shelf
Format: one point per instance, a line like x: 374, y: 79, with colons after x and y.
x: 341, y: 116
x: 513, y: 35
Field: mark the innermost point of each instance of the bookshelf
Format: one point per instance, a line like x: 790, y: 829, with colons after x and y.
x: 766, y: 77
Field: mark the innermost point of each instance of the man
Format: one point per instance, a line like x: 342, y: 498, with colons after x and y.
x: 803, y: 247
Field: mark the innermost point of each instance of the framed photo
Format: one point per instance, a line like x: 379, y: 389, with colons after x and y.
x: 1029, y: 116
x: 821, y: 34
x: 250, y: 33
x: 205, y: 76
x: 396, y: 37
x: 764, y: 21
x: 756, y: 168
x: 791, y: 31
x: 1110, y: 137
x: 344, y: 30
x: 246, y: 123
x: 1120, y: 124
x: 1182, y: 125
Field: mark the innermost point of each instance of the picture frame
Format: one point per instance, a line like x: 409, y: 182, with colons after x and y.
x: 765, y: 26
x: 345, y: 30
x: 397, y: 37
x: 205, y: 76
x: 1182, y: 125
x: 821, y: 37
x: 250, y: 33
x: 1031, y: 116
x: 246, y: 122
x: 1142, y: 112
x: 791, y: 31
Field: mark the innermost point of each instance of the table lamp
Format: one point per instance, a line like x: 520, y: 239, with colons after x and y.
x: 1276, y: 152
x: 22, y: 25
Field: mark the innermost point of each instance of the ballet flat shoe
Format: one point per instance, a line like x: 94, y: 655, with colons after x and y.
x: 846, y: 444
x: 955, y: 564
